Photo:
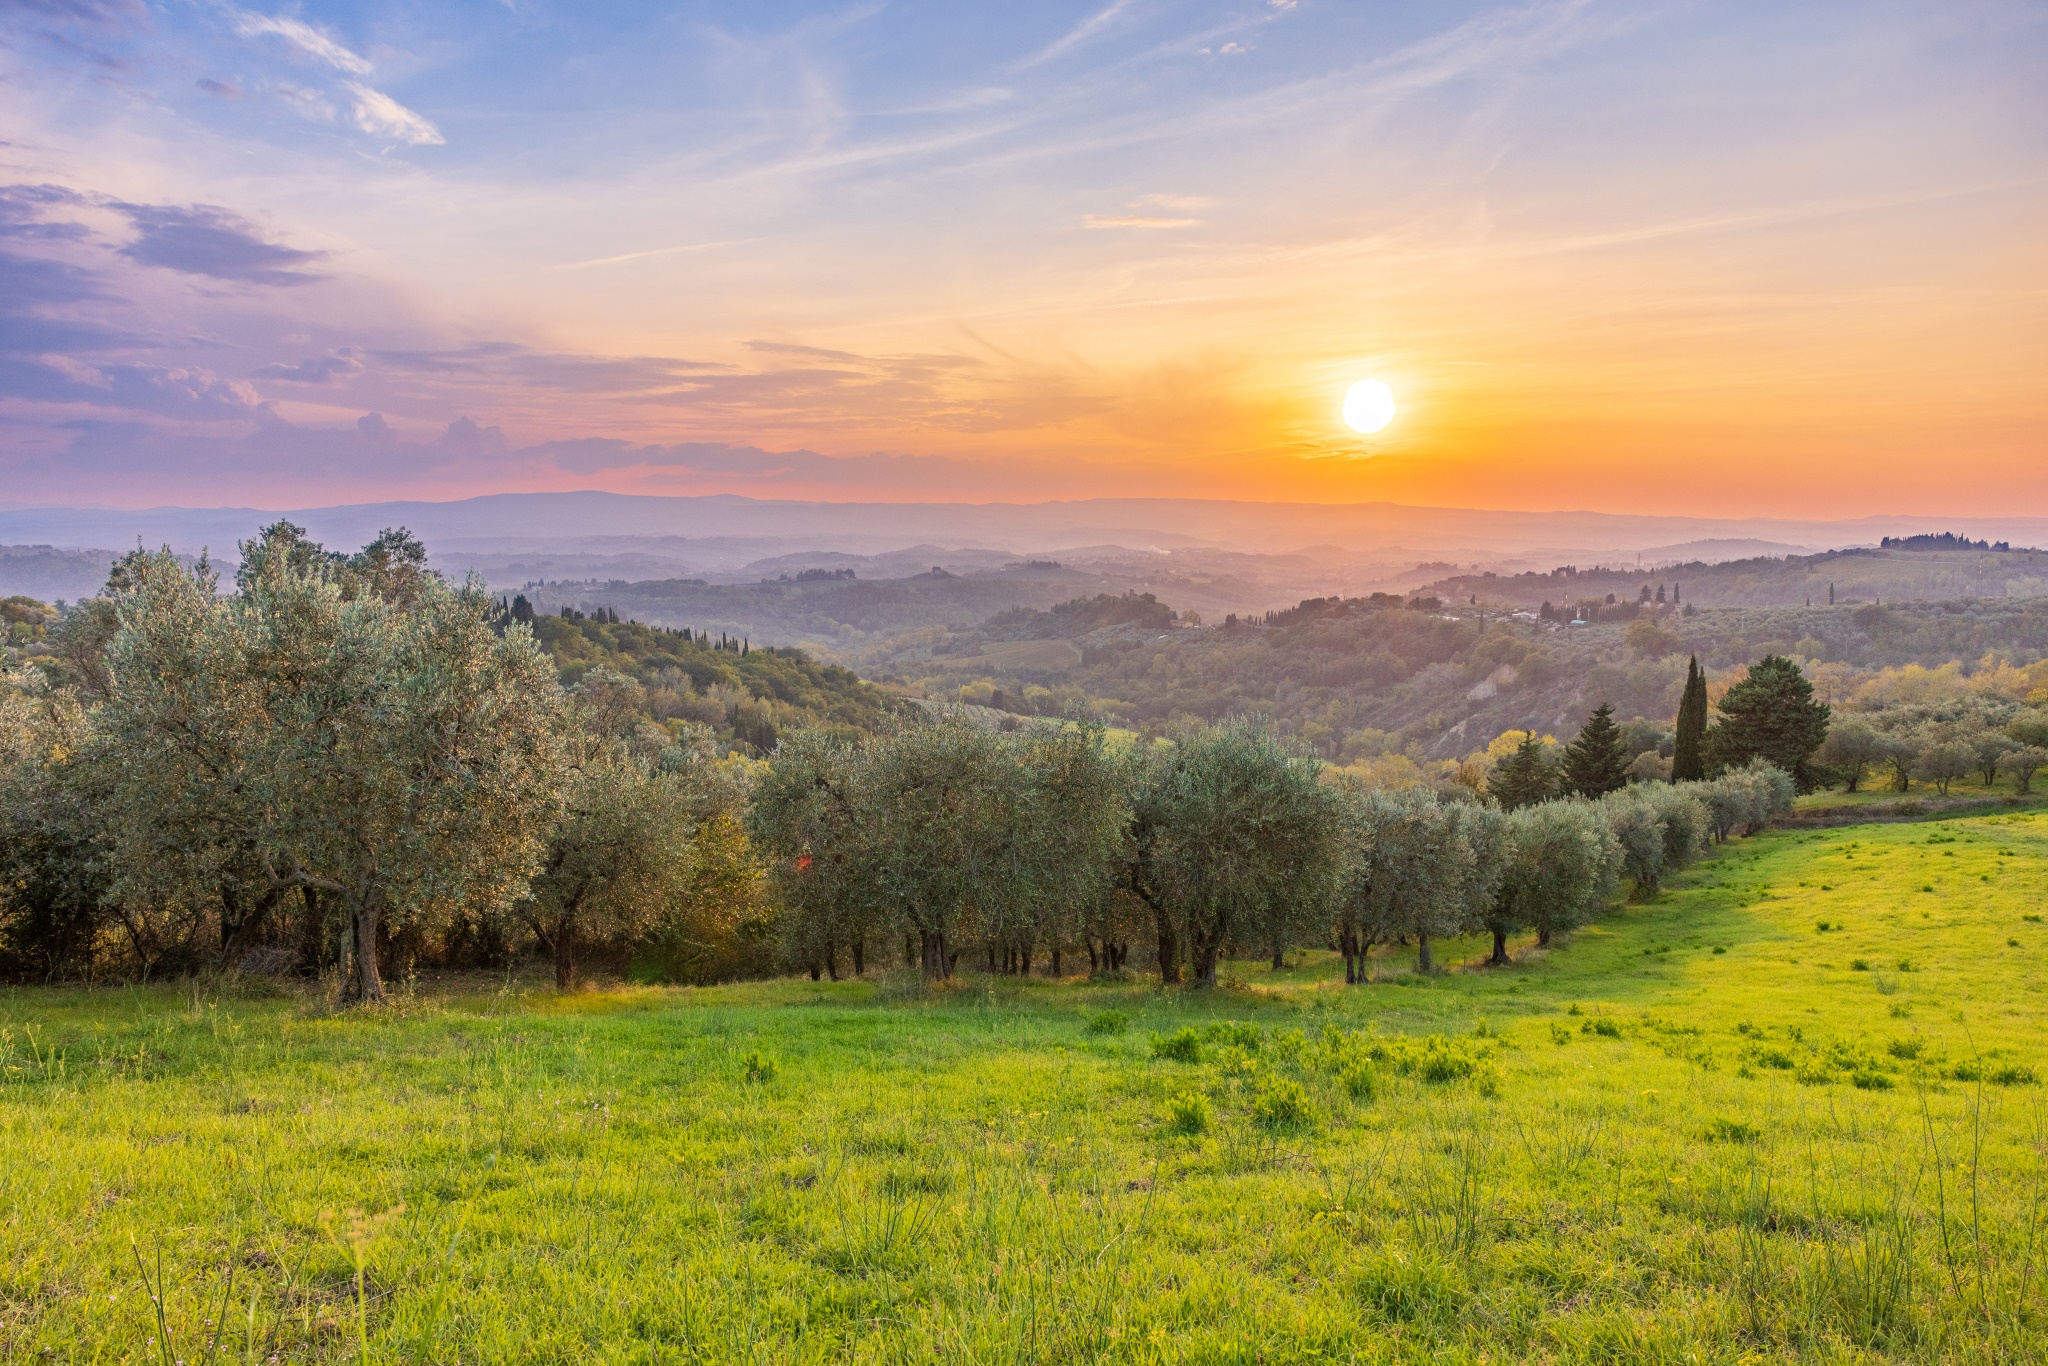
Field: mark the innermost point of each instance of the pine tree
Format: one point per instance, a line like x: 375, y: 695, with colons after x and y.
x: 1523, y: 778
x: 1688, y: 754
x: 1596, y: 763
x: 1771, y: 715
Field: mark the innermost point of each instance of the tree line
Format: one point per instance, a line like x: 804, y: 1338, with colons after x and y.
x: 347, y: 762
x: 948, y: 838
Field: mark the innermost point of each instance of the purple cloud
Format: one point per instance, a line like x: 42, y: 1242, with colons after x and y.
x: 203, y: 240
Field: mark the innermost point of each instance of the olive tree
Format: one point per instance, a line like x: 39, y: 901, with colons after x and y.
x: 173, y: 752
x: 390, y: 760
x: 1851, y: 750
x: 618, y: 855
x: 1415, y: 866
x: 1562, y: 865
x: 1240, y: 842
x: 2023, y: 763
x: 54, y: 899
x: 947, y: 835
x: 1943, y: 763
x: 1989, y: 748
x: 809, y: 819
x: 1074, y: 814
x: 1659, y: 830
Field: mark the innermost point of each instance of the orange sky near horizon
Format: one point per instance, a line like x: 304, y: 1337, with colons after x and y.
x: 1737, y: 260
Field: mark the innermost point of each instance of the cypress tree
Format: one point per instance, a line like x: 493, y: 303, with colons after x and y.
x: 1596, y: 763
x: 1688, y: 754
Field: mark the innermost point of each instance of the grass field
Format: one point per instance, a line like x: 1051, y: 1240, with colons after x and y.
x: 1785, y: 1111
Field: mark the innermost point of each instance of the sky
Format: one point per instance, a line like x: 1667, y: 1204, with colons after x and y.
x: 1719, y: 257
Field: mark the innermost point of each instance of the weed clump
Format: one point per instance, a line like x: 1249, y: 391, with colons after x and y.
x: 759, y: 1067
x: 1187, y: 1114
x: 1360, y: 1081
x: 1183, y: 1045
x: 1282, y: 1107
x: 1397, y: 1288
x: 1231, y: 1033
x: 1732, y: 1131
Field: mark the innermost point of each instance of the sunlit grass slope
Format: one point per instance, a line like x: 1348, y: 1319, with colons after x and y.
x: 1706, y: 1129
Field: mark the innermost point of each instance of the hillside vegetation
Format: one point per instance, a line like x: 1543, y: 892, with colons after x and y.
x: 1919, y: 568
x: 1358, y: 678
x: 742, y: 693
x: 1787, y: 1111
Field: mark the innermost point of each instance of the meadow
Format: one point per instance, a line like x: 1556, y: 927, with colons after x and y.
x: 1788, y: 1109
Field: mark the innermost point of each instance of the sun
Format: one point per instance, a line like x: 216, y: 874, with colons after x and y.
x: 1368, y: 406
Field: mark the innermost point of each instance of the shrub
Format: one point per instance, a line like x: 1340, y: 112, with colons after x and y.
x: 1108, y: 1022
x: 1282, y: 1106
x: 1904, y: 1048
x: 759, y: 1067
x: 1605, y: 1028
x: 1870, y: 1080
x: 1183, y: 1045
x: 1188, y: 1114
x: 2011, y: 1075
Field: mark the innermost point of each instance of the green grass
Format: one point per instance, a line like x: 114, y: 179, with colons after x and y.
x: 1633, y: 1147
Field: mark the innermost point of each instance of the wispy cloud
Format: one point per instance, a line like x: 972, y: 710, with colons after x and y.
x: 1080, y: 33
x: 300, y: 36
x: 1098, y: 220
x: 329, y: 369
x: 649, y: 254
x: 378, y: 114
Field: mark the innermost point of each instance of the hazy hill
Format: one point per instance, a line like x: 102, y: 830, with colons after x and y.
x: 805, y: 602
x: 1358, y: 677
x: 829, y: 611
x: 46, y: 573
x: 1855, y: 575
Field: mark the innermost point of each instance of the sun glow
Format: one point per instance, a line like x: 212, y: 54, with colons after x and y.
x: 1368, y: 406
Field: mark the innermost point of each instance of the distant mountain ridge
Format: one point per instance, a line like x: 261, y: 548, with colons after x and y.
x: 524, y: 521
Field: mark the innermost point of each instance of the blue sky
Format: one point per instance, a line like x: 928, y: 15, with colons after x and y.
x: 326, y: 251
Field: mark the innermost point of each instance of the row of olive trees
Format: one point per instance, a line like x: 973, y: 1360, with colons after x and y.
x: 1419, y: 868
x: 344, y: 751
x: 1938, y: 751
x: 948, y: 837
